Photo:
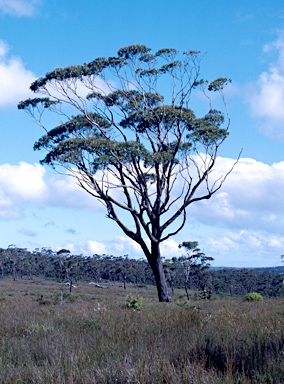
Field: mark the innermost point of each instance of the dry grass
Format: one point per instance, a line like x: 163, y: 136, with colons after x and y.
x: 50, y: 336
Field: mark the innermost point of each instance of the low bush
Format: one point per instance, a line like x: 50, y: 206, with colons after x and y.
x: 133, y: 302
x: 253, y: 296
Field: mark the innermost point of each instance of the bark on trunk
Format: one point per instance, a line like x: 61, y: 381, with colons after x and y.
x: 159, y: 274
x: 172, y: 287
x: 186, y: 291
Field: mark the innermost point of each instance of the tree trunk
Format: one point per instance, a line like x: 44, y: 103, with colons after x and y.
x: 186, y: 291
x: 159, y: 274
x: 172, y: 287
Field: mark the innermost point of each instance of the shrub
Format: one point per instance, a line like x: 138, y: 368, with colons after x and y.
x: 133, y: 302
x: 253, y: 296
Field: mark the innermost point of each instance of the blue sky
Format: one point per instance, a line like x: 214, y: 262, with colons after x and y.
x: 240, y: 226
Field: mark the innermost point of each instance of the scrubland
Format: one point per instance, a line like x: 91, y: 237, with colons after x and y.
x: 48, y: 335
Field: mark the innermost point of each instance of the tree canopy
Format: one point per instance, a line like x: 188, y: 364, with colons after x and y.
x: 128, y: 135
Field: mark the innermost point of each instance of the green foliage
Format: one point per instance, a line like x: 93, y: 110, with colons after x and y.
x: 63, y: 252
x: 253, y: 296
x: 167, y: 52
x: 133, y: 50
x: 194, y: 258
x: 44, y: 101
x: 142, y: 110
x: 134, y: 302
x: 218, y: 84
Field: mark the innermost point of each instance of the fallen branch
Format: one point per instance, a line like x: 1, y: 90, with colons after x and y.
x: 97, y: 285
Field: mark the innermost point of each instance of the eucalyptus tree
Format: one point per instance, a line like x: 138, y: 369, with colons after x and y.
x: 194, y: 262
x: 68, y: 266
x: 16, y: 258
x: 128, y: 135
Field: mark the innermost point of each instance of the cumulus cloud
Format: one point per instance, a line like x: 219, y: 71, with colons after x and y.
x: 252, y: 197
x: 25, y: 183
x: 96, y: 247
x: 124, y: 245
x: 4, y: 49
x: 19, y: 7
x: 20, y: 184
x: 64, y: 191
x: 169, y: 249
x: 246, y: 214
x: 266, y: 95
x: 245, y: 248
x: 15, y: 79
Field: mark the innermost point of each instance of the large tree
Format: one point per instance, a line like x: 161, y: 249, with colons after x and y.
x: 128, y: 135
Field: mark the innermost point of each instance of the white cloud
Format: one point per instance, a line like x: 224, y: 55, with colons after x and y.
x: 19, y: 7
x: 245, y: 248
x: 15, y: 79
x: 124, y: 245
x: 64, y: 191
x: 266, y: 95
x: 251, y: 198
x: 243, y: 224
x: 25, y: 183
x: 246, y: 217
x: 221, y: 245
x: 20, y: 184
x: 4, y: 48
x: 96, y: 248
x: 88, y: 248
x: 169, y: 249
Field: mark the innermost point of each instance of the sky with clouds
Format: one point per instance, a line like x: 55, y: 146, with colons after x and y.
x: 243, y: 224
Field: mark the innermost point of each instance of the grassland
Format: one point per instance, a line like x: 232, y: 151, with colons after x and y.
x: 49, y: 336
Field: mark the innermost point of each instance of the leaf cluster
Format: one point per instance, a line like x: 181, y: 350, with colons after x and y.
x: 128, y: 100
x: 194, y: 258
x: 46, y: 102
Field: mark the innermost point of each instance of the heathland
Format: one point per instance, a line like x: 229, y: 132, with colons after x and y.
x: 49, y: 335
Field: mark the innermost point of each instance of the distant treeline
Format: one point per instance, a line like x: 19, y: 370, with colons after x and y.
x: 19, y: 263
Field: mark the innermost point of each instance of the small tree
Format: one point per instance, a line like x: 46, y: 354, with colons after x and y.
x: 194, y: 262
x: 144, y: 155
x: 170, y: 268
x: 67, y: 264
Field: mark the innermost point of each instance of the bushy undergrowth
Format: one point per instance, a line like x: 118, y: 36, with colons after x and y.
x: 253, y: 296
x: 94, y: 338
x: 133, y: 302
